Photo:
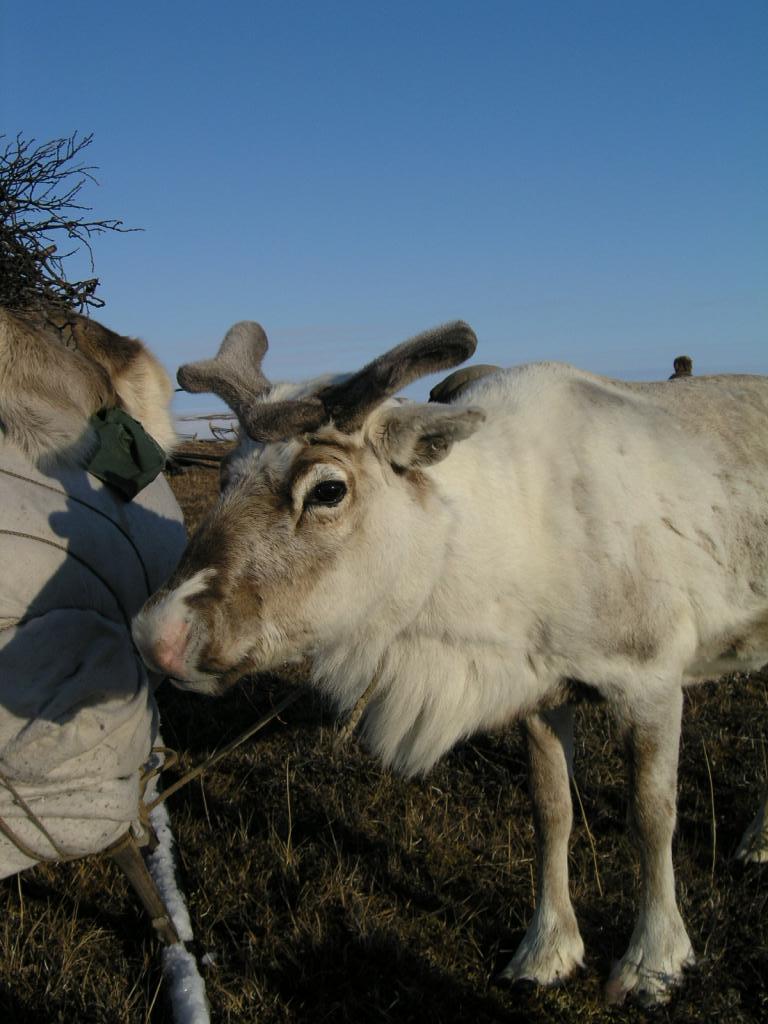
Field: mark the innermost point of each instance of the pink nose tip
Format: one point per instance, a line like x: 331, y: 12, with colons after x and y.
x: 170, y: 647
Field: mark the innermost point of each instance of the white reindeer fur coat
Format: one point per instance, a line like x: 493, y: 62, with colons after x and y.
x: 525, y: 564
x: 77, y: 712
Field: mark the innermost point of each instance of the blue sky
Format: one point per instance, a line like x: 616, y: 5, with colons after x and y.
x: 584, y: 181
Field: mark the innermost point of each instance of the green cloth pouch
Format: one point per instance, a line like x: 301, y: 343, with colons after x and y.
x: 127, y: 457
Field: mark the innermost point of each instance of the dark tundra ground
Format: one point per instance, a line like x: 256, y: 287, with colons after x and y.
x: 327, y: 890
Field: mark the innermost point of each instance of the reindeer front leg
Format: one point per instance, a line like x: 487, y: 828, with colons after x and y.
x: 659, y: 948
x: 552, y: 947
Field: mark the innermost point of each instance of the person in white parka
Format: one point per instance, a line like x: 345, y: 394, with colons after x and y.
x: 86, y: 535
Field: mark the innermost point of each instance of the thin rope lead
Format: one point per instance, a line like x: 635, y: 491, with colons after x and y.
x: 19, y: 843
x: 217, y: 755
x: 144, y: 809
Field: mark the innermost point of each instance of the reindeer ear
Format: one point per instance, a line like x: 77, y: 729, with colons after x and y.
x: 234, y: 374
x: 420, y: 435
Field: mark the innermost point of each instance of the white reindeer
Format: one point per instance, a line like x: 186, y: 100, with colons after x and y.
x: 471, y: 559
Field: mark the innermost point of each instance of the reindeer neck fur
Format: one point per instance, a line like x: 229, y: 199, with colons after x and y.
x: 454, y: 664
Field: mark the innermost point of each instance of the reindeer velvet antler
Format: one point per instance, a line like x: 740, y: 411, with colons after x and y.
x: 235, y: 375
x: 349, y: 402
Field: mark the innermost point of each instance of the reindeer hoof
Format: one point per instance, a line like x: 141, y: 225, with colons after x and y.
x: 646, y: 983
x: 545, y: 958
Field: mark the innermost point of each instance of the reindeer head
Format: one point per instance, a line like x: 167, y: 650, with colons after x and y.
x: 327, y: 515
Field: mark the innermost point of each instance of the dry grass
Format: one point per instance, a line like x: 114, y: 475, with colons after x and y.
x: 328, y: 890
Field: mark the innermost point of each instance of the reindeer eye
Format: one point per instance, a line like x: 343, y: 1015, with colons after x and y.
x: 327, y: 492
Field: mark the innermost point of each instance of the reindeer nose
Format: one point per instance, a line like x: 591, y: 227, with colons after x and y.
x: 163, y: 644
x: 170, y: 648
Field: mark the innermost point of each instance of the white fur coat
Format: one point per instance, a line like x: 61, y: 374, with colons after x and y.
x: 77, y: 712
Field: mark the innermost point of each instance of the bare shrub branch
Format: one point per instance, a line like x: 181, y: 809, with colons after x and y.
x: 43, y: 223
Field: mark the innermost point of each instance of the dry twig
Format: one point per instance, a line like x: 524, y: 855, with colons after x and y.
x: 41, y: 205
